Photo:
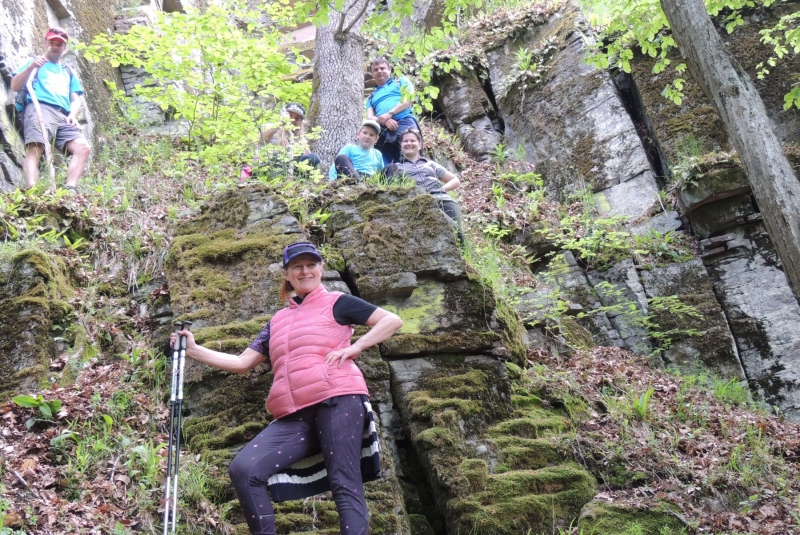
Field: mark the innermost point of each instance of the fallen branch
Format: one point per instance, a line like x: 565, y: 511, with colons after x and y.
x: 21, y: 479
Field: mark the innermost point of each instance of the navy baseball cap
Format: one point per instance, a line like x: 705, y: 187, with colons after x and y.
x: 296, y: 249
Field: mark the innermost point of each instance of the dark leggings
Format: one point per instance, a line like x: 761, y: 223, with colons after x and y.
x: 311, y: 159
x: 344, y: 167
x: 335, y: 427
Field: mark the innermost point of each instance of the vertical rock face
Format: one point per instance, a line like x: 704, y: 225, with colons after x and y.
x: 747, y: 278
x: 570, y: 113
x: 558, y: 113
x: 469, y: 113
x: 763, y: 315
x: 714, y: 346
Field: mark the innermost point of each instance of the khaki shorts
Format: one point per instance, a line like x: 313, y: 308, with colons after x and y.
x: 55, y: 121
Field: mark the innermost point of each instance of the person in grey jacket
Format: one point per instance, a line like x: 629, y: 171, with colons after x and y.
x: 428, y: 175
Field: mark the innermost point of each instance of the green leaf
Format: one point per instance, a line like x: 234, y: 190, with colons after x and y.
x: 27, y: 401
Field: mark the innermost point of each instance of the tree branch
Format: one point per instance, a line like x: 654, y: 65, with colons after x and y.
x: 365, y: 4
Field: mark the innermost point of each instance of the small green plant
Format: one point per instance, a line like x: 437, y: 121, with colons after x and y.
x: 599, y: 242
x: 525, y: 60
x: 495, y: 232
x: 499, y: 194
x: 143, y: 463
x: 500, y: 154
x: 46, y: 408
x: 666, y: 247
x: 732, y: 391
x: 641, y: 403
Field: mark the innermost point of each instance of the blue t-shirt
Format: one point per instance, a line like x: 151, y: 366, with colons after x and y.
x: 387, y: 96
x: 53, y: 84
x: 366, y: 162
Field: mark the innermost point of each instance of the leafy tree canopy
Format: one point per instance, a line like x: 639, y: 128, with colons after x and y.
x: 226, y: 79
x: 227, y: 70
x: 628, y: 25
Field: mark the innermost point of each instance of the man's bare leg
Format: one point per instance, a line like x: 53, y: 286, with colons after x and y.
x: 80, y: 150
x: 31, y: 165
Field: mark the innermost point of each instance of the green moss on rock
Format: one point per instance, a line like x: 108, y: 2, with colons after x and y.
x: 34, y: 289
x: 449, y: 342
x: 532, y: 453
x: 535, y: 500
x: 532, y: 426
x: 611, y: 519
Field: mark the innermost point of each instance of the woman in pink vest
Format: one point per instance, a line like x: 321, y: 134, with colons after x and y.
x: 318, y: 396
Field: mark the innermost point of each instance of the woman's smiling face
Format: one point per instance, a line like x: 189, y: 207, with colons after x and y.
x: 304, y: 273
x: 410, y: 146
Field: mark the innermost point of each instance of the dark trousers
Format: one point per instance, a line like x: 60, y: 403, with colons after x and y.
x: 452, y: 210
x: 389, y: 142
x: 311, y: 159
x: 344, y: 167
x: 335, y: 427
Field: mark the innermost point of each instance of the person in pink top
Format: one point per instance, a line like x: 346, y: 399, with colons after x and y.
x: 319, y: 399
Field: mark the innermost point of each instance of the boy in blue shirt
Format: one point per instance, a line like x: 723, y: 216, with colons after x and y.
x: 361, y: 158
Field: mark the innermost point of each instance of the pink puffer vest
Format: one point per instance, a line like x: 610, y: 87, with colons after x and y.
x: 300, y: 337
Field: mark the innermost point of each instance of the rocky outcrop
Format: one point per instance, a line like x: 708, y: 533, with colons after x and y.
x: 460, y: 444
x: 559, y: 113
x: 714, y: 195
x: 34, y: 294
x: 762, y: 312
x: 469, y: 113
x: 570, y: 113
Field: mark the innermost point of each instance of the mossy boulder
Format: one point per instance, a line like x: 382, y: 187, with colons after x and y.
x: 611, y: 519
x: 523, y: 501
x: 224, y: 264
x: 410, y: 235
x: 34, y: 295
x: 493, y: 459
x: 399, y: 250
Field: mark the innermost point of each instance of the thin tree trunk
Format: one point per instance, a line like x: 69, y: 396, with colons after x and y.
x: 728, y: 86
x: 337, y: 98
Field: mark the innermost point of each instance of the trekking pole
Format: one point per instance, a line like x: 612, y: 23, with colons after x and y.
x: 172, y: 397
x: 48, y: 151
x: 178, y: 427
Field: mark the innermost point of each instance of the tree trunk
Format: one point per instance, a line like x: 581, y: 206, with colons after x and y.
x: 337, y: 98
x: 727, y: 85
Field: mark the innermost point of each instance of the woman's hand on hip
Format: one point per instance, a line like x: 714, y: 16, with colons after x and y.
x: 339, y: 356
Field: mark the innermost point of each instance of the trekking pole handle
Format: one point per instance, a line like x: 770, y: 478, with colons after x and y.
x: 175, y: 352
x: 182, y: 360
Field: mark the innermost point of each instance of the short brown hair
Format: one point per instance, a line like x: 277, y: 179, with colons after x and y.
x: 378, y: 61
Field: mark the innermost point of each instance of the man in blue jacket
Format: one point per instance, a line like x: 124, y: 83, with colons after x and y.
x: 390, y: 105
x: 58, y: 92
